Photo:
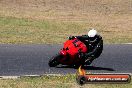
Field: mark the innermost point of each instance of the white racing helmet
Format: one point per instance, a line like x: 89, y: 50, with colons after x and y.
x: 92, y: 33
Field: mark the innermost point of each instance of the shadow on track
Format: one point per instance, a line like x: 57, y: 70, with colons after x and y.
x: 89, y: 68
x: 98, y: 68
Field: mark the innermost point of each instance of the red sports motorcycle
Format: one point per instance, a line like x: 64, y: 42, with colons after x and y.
x: 69, y: 55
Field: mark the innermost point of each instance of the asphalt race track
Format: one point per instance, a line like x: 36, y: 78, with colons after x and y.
x: 33, y: 60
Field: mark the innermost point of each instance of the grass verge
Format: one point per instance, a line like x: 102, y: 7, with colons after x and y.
x: 31, y: 31
x: 67, y: 81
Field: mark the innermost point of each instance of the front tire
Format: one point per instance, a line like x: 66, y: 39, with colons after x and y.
x: 53, y: 62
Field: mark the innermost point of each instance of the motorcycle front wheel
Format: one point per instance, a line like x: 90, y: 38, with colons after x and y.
x: 54, y: 61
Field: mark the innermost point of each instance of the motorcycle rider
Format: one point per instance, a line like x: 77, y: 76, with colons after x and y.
x: 94, y: 43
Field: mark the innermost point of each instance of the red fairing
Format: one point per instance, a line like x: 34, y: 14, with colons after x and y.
x: 63, y: 52
x: 69, y: 54
x: 74, y: 46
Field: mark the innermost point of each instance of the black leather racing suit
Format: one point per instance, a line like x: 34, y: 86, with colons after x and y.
x: 94, y: 45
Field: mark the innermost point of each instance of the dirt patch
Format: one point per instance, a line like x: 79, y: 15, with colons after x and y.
x: 101, y: 6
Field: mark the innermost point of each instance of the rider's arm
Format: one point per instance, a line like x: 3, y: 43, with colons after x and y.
x: 95, y: 50
x: 81, y: 38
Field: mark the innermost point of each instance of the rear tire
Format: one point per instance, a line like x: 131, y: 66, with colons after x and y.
x: 53, y: 62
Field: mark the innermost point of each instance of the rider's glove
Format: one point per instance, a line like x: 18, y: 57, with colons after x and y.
x: 71, y: 37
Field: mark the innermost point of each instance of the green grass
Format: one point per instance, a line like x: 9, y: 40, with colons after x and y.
x: 30, y: 31
x: 15, y: 31
x: 50, y: 22
x: 67, y: 81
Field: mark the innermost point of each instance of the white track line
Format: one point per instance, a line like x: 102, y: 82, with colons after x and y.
x: 15, y: 77
x: 9, y: 77
x: 127, y: 43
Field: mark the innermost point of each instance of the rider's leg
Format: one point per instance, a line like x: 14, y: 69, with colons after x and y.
x: 89, y: 60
